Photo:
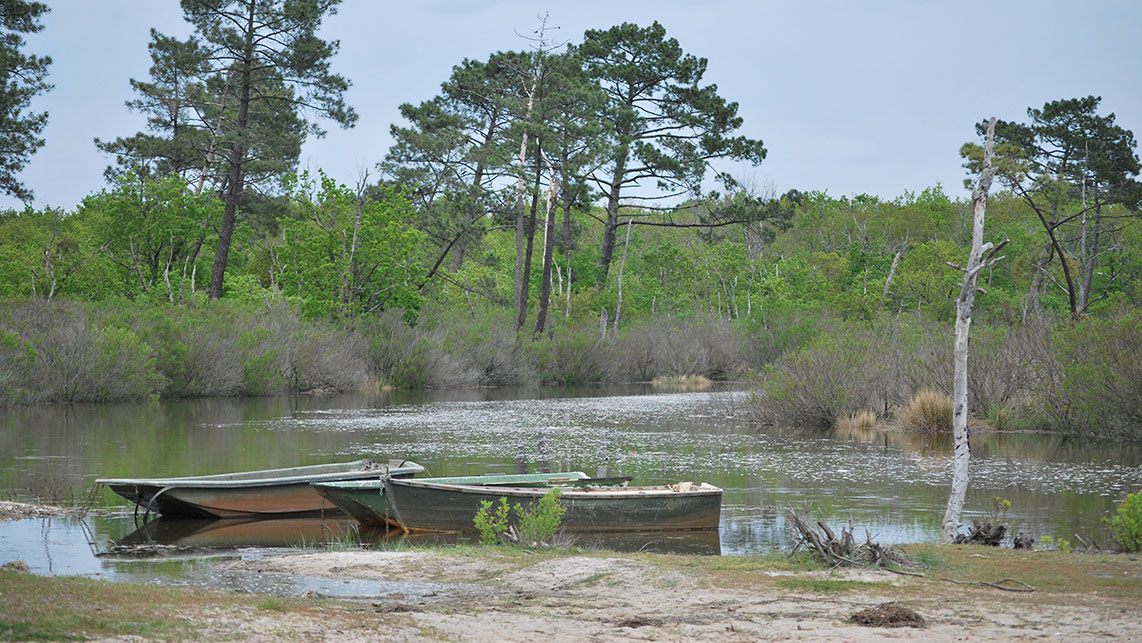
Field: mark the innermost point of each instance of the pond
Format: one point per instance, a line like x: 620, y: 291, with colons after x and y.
x: 893, y: 484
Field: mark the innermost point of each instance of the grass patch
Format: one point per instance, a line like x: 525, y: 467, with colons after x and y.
x: 271, y: 604
x: 58, y: 609
x: 928, y: 411
x: 684, y: 383
x: 859, y: 421
x: 822, y: 585
x: 927, y: 558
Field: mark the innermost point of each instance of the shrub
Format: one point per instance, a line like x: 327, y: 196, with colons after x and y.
x: 851, y: 368
x: 572, y: 354
x: 536, y: 523
x: 539, y: 522
x: 492, y: 524
x: 1127, y: 525
x: 929, y: 410
x: 1097, y: 378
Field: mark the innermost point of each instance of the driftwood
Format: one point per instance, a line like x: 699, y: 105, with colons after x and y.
x: 1023, y: 541
x: 982, y: 533
x: 844, y: 549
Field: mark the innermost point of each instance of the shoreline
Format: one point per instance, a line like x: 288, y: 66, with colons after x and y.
x: 514, y: 594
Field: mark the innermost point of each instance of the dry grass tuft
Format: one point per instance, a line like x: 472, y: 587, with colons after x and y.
x: 682, y: 382
x: 859, y: 421
x: 929, y: 410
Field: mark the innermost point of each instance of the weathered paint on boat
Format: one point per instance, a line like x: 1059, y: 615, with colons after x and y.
x: 267, y: 493
x: 366, y: 500
x: 430, y: 506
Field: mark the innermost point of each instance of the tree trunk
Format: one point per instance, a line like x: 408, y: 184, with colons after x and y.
x: 612, y: 224
x: 1031, y: 302
x: 1090, y: 253
x: 891, y: 274
x: 622, y: 265
x: 977, y: 261
x: 235, y: 176
x: 530, y: 242
x: 520, y: 214
x: 548, y: 246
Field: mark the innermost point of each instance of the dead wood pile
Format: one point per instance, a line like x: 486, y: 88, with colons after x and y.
x: 887, y: 615
x: 982, y: 532
x: 844, y: 549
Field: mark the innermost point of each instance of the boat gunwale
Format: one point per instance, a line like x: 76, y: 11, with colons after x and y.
x: 494, y: 480
x: 701, y: 489
x: 215, y: 481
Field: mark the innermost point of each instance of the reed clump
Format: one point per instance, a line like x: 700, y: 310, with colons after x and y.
x: 859, y: 421
x: 929, y: 411
x: 682, y: 382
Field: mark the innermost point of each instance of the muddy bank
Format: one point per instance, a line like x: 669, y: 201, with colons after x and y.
x: 617, y: 597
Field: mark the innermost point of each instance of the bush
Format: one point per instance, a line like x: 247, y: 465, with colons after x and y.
x: 539, y: 522
x: 850, y: 368
x: 1127, y: 525
x: 536, y: 523
x: 1094, y: 385
x: 492, y: 525
x: 929, y: 411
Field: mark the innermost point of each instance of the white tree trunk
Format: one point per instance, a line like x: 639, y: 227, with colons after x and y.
x: 982, y: 255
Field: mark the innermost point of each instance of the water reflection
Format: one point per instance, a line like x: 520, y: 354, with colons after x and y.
x: 181, y: 535
x: 892, y: 483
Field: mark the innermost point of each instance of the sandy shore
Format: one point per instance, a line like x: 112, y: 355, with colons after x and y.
x: 618, y: 597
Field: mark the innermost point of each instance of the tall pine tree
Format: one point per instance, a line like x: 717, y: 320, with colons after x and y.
x: 23, y: 78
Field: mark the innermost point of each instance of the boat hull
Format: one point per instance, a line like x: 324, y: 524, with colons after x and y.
x: 368, y: 503
x: 266, y: 494
x: 427, y: 506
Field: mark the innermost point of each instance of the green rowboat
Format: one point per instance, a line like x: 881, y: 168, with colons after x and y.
x: 366, y: 500
x: 268, y: 493
x: 428, y: 505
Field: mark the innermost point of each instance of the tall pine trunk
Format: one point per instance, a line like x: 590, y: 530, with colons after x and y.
x: 548, y: 247
x: 236, y: 175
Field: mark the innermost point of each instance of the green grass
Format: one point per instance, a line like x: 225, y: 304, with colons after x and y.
x: 927, y: 558
x: 271, y: 604
x: 829, y: 585
x: 38, y: 608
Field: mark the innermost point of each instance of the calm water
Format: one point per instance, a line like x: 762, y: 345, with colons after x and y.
x: 894, y: 485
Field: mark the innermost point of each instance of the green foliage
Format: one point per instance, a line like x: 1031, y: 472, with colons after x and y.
x: 539, y: 522
x: 1061, y: 544
x: 153, y: 230
x: 1127, y: 524
x: 536, y: 523
x: 347, y: 254
x: 1098, y: 381
x: 492, y: 523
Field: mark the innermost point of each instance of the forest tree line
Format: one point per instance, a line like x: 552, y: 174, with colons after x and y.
x: 553, y: 214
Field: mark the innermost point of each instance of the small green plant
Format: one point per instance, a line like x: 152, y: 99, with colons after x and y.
x: 539, y: 522
x: 1062, y: 544
x: 999, y: 509
x: 1127, y: 525
x: 492, y: 525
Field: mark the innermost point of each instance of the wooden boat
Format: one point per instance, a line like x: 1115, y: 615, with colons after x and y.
x: 426, y: 505
x: 268, y: 493
x: 366, y: 500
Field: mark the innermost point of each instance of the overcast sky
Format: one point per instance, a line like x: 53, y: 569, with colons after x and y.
x: 849, y: 97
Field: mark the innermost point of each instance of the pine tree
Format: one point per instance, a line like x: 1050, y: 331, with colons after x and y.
x: 23, y: 79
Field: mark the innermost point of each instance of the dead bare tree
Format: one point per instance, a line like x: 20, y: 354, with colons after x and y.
x: 982, y: 256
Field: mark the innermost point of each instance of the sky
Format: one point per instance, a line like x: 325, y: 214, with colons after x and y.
x: 849, y: 97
